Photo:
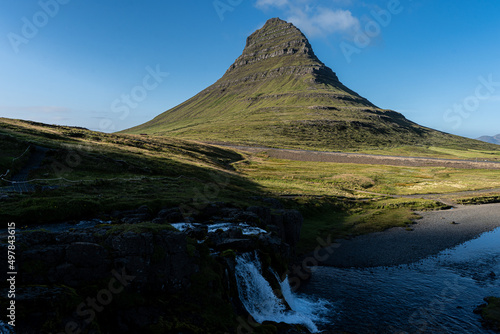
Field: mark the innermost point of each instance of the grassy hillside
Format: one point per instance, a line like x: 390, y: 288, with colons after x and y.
x: 94, y: 173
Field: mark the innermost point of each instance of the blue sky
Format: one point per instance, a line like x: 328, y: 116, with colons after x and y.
x: 109, y: 65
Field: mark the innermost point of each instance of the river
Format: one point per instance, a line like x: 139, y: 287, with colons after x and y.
x: 434, y: 295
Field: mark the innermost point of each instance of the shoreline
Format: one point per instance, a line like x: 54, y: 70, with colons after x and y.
x: 436, y: 231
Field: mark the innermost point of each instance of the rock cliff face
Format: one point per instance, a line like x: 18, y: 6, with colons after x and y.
x: 141, y: 270
x: 278, y: 41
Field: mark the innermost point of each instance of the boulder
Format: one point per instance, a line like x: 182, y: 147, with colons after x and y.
x: 86, y: 254
x: 264, y: 213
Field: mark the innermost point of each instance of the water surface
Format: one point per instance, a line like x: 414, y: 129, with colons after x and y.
x: 434, y: 295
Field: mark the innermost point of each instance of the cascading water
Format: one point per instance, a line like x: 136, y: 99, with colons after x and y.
x: 261, y: 302
x: 5, y: 328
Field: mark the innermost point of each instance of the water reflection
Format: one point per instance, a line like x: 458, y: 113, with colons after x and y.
x: 435, y: 295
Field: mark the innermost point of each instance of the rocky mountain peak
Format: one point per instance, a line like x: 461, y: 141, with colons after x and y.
x: 278, y: 48
x: 278, y: 37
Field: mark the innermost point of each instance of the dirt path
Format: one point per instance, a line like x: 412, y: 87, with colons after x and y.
x: 446, y: 198
x: 20, y: 182
x: 367, y: 159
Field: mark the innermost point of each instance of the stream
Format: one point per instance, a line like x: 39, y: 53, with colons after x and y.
x: 434, y: 295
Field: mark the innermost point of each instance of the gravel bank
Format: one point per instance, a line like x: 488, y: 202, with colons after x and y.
x: 365, y: 159
x: 435, y: 232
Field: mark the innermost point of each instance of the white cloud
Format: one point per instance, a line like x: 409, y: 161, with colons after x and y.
x: 265, y: 4
x: 314, y: 20
x: 324, y: 21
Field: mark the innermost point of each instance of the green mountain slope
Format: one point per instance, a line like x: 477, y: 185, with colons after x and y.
x: 278, y: 93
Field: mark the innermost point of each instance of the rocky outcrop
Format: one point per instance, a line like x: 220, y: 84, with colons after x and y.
x: 490, y: 313
x: 158, y: 261
x: 138, y: 254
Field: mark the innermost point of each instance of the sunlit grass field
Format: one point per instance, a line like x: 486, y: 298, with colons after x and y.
x: 286, y: 177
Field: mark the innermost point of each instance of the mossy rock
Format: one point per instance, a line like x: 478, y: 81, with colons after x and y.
x: 229, y: 253
x: 490, y: 313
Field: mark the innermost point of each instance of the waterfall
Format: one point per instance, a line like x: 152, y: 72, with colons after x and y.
x: 262, y: 303
x: 5, y: 328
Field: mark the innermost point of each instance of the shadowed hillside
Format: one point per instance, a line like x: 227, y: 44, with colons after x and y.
x: 55, y: 173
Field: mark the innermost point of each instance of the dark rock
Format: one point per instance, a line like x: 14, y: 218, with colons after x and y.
x: 85, y: 254
x: 198, y: 232
x: 209, y: 211
x: 36, y: 237
x: 120, y: 214
x: 171, y: 215
x: 248, y: 217
x: 262, y: 212
x: 136, y: 218
x: 137, y: 318
x: 130, y: 243
x: 289, y: 225
x: 161, y: 261
x: 292, y: 222
x: 139, y: 215
x: 41, y: 303
x: 159, y: 221
x: 241, y: 245
x: 64, y: 273
x: 231, y: 213
x: 50, y: 254
x: 143, y: 209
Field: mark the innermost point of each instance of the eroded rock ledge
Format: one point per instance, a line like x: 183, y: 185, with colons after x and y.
x: 135, y: 273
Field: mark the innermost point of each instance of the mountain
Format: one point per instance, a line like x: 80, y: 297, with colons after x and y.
x: 278, y: 93
x: 490, y: 139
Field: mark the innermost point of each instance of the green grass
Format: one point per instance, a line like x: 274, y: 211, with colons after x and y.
x: 139, y: 228
x: 479, y: 199
x: 286, y: 177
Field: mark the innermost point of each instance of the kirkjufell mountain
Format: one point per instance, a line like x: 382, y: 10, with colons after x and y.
x: 279, y: 94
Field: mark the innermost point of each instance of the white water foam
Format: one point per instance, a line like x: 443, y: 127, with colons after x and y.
x: 262, y: 303
x: 212, y: 228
